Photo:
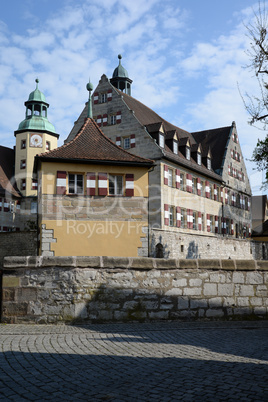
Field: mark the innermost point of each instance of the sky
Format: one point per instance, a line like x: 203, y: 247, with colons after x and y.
x: 187, y: 60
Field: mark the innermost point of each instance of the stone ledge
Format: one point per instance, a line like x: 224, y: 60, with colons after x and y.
x: 138, y: 263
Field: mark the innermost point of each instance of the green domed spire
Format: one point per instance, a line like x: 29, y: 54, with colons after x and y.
x: 36, y: 113
x: 120, y: 78
x: 37, y: 95
x: 120, y: 71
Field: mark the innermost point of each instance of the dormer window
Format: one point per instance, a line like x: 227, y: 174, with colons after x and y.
x: 209, y: 163
x: 161, y: 141
x: 199, y: 159
x: 188, y: 153
x: 175, y: 147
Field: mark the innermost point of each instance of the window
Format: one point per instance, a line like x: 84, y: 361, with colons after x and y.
x: 182, y: 187
x: 195, y: 220
x: 161, y: 141
x: 199, y: 159
x: 183, y: 218
x: 113, y: 120
x: 126, y: 142
x: 209, y: 163
x: 175, y: 147
x: 23, y: 184
x: 103, y: 98
x: 212, y: 228
x: 23, y: 164
x: 115, y: 185
x: 211, y: 192
x: 170, y: 177
x: 75, y: 182
x: 33, y: 207
x: 48, y: 145
x: 194, y: 188
x: 171, y: 215
x: 188, y: 153
x: 23, y: 144
x: 202, y: 188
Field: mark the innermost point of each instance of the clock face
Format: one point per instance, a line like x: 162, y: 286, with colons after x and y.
x: 36, y: 141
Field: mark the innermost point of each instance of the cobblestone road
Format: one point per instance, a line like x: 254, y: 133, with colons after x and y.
x: 135, y: 362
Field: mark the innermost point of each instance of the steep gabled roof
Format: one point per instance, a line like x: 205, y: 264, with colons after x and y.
x: 147, y: 116
x: 215, y: 139
x: 91, y: 145
x: 7, y: 162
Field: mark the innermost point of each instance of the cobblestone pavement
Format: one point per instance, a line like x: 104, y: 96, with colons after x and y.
x: 135, y: 362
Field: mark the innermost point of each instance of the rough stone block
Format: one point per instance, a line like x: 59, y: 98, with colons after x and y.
x: 187, y: 264
x: 192, y: 291
x: 210, y: 313
x: 10, y: 309
x: 159, y: 315
x: 164, y: 263
x: 183, y: 303
x: 218, y: 278
x: 262, y: 290
x: 228, y: 301
x: 242, y: 301
x: 115, y: 262
x: 262, y: 265
x: 209, y: 264
x: 215, y: 302
x: 141, y: 263
x: 238, y: 277
x: 88, y: 262
x: 15, y: 262
x: 260, y: 311
x: 256, y: 301
x: 225, y: 289
x: 228, y: 265
x: 8, y: 295
x: 254, y: 278
x: 195, y: 282
x: 10, y: 281
x: 210, y: 289
x: 198, y: 303
x: 246, y: 290
x: 245, y: 265
x: 174, y: 292
x: 26, y: 294
x: 179, y: 282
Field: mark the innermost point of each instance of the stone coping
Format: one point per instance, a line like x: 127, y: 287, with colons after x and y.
x: 138, y: 263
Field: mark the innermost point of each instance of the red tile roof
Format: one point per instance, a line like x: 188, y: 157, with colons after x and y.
x: 91, y: 145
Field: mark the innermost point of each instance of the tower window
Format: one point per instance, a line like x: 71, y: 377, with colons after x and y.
x: 48, y: 145
x: 23, y: 164
x: 23, y: 144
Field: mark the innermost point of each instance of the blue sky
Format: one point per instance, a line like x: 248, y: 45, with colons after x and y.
x: 186, y: 59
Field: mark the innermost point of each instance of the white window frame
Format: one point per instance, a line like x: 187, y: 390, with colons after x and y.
x: 161, y: 141
x: 175, y: 147
x: 199, y: 159
x: 209, y: 163
x: 188, y: 153
x: 103, y: 98
x: 113, y: 119
x: 117, y: 186
x: 75, y: 180
x: 126, y: 143
x: 170, y: 177
x: 171, y: 215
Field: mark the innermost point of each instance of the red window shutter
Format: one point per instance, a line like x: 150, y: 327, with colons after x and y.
x: 208, y: 222
x: 229, y: 170
x: 132, y: 141
x: 178, y: 177
x: 166, y: 174
x: 216, y: 224
x: 118, y: 117
x: 178, y: 217
x: 166, y: 215
x: 189, y: 184
x: 105, y: 120
x: 61, y: 183
x: 34, y: 184
x: 109, y: 95
x: 96, y: 98
x: 102, y: 184
x: 198, y: 186
x: 191, y: 225
x: 91, y: 184
x: 129, y: 185
x: 215, y: 192
x: 99, y: 120
x: 199, y: 221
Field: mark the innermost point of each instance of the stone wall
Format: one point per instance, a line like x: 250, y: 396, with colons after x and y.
x: 99, y: 289
x: 17, y: 243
